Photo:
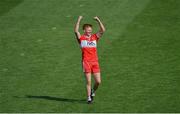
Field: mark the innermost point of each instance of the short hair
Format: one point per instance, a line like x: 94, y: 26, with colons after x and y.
x: 87, y: 25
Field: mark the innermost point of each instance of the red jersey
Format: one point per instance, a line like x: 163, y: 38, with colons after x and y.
x: 89, y: 47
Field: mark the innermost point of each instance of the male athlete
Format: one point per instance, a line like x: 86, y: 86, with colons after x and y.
x: 88, y: 43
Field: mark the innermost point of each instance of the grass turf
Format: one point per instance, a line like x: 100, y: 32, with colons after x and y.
x: 40, y: 68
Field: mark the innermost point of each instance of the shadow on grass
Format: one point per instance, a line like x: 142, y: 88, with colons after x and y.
x: 56, y: 99
x: 7, y: 5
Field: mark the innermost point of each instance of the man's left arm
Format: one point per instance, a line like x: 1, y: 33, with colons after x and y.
x: 101, y: 26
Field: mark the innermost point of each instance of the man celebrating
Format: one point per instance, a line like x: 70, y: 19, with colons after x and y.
x: 88, y: 43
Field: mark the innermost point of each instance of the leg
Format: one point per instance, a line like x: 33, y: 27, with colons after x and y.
x: 87, y: 70
x: 88, y: 83
x: 97, y: 79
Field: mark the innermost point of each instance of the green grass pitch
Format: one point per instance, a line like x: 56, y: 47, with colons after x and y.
x: 40, y: 60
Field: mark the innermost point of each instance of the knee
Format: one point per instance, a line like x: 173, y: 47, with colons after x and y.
x: 89, y: 83
x: 98, y: 82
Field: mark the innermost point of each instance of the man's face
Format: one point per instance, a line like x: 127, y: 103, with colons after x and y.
x: 88, y: 30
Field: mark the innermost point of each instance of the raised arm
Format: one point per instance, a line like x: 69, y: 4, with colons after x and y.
x: 76, y: 29
x: 101, y: 26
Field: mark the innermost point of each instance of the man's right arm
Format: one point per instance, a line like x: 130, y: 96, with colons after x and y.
x: 76, y: 29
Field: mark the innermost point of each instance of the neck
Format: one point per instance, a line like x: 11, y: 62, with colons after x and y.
x: 88, y: 35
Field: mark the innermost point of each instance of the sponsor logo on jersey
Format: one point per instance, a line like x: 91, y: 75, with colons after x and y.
x: 85, y: 43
